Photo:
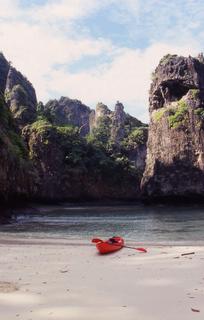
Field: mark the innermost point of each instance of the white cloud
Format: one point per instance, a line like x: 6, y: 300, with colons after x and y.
x: 63, y: 9
x: 8, y: 8
x: 126, y: 79
x: 50, y: 11
x: 36, y: 46
x: 36, y: 49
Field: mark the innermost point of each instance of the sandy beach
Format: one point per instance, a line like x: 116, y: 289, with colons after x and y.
x: 61, y: 279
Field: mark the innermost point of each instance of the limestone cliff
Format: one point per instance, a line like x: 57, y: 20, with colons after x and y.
x: 69, y: 167
x: 118, y: 123
x: 15, y: 167
x: 4, y: 68
x: 120, y: 132
x: 67, y: 111
x: 64, y: 150
x: 18, y: 93
x: 175, y: 150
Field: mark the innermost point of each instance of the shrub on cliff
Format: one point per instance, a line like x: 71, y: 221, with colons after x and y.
x: 101, y: 134
x: 177, y: 116
x: 137, y: 136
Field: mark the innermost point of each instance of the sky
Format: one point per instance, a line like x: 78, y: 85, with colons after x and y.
x: 98, y: 50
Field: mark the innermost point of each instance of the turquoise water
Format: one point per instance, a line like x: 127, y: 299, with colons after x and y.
x: 147, y: 224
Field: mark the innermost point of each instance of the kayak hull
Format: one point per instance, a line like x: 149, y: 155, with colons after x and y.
x: 108, y: 246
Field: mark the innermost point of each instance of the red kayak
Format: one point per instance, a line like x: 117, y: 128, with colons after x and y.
x: 110, y: 245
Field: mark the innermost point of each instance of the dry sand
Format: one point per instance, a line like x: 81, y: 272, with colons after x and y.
x: 42, y: 280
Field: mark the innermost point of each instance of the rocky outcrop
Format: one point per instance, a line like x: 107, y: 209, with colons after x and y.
x: 70, y: 168
x: 15, y: 167
x: 4, y: 69
x: 18, y: 92
x: 101, y: 113
x: 17, y: 108
x: 173, y: 78
x: 117, y: 123
x: 135, y: 147
x: 20, y: 97
x: 175, y: 156
x: 67, y: 111
x: 123, y: 133
x: 64, y: 150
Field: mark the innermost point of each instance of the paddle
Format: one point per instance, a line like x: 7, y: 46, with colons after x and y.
x: 96, y: 240
x: 138, y: 249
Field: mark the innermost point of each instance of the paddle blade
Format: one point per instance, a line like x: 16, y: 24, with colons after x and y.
x: 96, y: 240
x: 141, y: 249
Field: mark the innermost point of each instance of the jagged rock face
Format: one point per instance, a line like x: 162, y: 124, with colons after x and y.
x: 126, y: 134
x: 66, y: 111
x: 63, y: 175
x: 4, y: 69
x: 15, y: 168
x: 101, y: 112
x: 172, y: 79
x: 21, y: 98
x: 137, y: 149
x: 15, y: 176
x: 18, y: 92
x: 118, y: 123
x: 175, y: 149
x: 50, y: 159
x: 122, y: 124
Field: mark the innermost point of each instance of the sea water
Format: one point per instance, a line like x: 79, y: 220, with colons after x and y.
x: 146, y: 224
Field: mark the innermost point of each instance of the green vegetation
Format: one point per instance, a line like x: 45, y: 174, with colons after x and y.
x: 100, y: 135
x: 21, y: 111
x: 95, y: 155
x: 41, y: 125
x: 130, y: 124
x: 200, y: 113
x: 22, y: 94
x: 137, y: 137
x: 158, y: 114
x: 166, y: 58
x: 7, y: 95
x: 102, y: 132
x: 16, y: 145
x: 40, y: 109
x: 91, y: 155
x: 10, y: 139
x: 194, y: 93
x: 66, y: 130
x: 177, y: 115
x: 20, y: 89
x: 5, y: 116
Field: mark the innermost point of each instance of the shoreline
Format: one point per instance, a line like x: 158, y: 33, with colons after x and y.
x: 23, y: 240
x: 86, y: 243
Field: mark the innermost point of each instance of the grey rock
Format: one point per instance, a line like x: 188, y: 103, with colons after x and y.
x: 66, y: 111
x: 21, y: 98
x: 175, y: 148
x: 4, y: 69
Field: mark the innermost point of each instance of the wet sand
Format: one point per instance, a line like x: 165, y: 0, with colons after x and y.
x: 61, y: 279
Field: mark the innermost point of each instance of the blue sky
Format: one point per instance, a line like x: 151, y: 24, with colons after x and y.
x: 98, y: 50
